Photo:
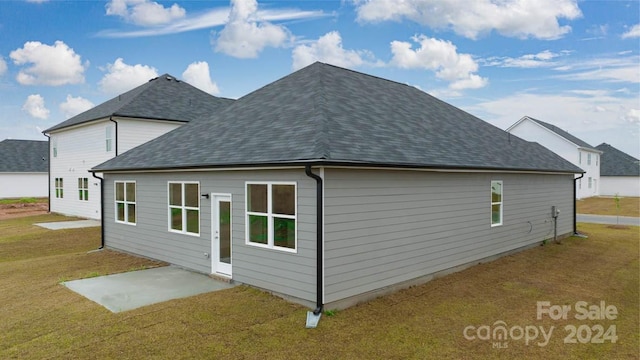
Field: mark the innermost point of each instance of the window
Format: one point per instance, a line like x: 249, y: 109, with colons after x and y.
x: 184, y: 207
x: 59, y: 188
x: 83, y: 189
x: 55, y: 148
x: 126, y: 202
x: 590, y: 182
x: 596, y: 160
x: 579, y: 183
x: 588, y: 159
x: 109, y: 138
x: 271, y: 215
x: 496, y: 203
x: 579, y: 157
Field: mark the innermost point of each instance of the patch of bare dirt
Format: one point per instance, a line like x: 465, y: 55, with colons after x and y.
x: 11, y: 211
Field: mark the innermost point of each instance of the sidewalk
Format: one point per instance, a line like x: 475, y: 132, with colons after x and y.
x: 610, y: 220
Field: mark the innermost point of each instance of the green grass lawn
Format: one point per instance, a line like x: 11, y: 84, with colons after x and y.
x: 629, y: 206
x: 25, y: 200
x: 42, y: 319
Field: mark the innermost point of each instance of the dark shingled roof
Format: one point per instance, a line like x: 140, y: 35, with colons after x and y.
x: 614, y: 162
x: 326, y: 114
x: 161, y: 98
x: 24, y: 156
x: 563, y: 133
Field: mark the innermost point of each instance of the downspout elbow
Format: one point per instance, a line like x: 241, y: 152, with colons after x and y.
x: 319, y: 239
x: 575, y: 204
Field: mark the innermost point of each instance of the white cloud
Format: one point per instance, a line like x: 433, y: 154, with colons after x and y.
x: 144, y: 12
x: 513, y: 18
x: 34, y: 106
x: 577, y: 111
x: 609, y: 69
x: 3, y: 66
x: 208, y: 19
x: 440, y: 56
x: 122, y: 77
x: 75, y: 105
x: 197, y: 74
x: 328, y: 49
x: 51, y: 65
x: 541, y: 59
x: 245, y: 35
x: 634, y: 32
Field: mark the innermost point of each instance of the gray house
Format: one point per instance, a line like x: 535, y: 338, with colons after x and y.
x: 24, y: 168
x: 330, y: 186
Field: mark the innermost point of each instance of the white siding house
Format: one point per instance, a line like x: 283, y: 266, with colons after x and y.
x: 567, y: 146
x: 619, y: 172
x: 111, y: 128
x: 23, y: 168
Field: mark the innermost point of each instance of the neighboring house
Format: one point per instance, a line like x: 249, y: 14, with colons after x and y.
x: 619, y: 172
x: 111, y: 128
x: 24, y: 168
x: 330, y: 186
x: 566, y: 145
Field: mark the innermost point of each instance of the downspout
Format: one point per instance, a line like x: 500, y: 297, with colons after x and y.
x: 319, y: 250
x: 575, y: 204
x: 48, y: 170
x: 101, y: 210
x: 115, y: 138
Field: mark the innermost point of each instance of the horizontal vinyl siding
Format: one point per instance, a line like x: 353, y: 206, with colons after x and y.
x: 79, y: 149
x: 619, y: 185
x: 292, y: 274
x: 17, y: 185
x: 134, y: 132
x: 386, y: 227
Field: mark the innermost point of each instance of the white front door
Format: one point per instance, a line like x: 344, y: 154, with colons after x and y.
x: 221, y: 234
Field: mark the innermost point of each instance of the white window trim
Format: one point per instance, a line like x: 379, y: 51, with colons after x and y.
x: 270, y: 215
x: 589, y: 159
x: 125, y: 202
x: 83, y: 189
x: 183, y: 208
x: 59, y: 190
x: 501, y: 203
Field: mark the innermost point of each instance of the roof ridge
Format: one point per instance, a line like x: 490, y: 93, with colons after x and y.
x: 321, y: 102
x: 151, y: 83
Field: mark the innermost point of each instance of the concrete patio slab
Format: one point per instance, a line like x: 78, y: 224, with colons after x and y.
x: 69, y: 224
x: 131, y: 290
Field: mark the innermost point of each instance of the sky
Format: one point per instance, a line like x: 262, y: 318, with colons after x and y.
x: 575, y: 64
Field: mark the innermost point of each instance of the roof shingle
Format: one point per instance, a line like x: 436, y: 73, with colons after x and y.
x: 614, y: 162
x: 161, y: 98
x: 24, y: 156
x: 324, y: 113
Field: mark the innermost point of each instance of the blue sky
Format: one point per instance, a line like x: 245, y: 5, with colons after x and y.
x: 575, y: 64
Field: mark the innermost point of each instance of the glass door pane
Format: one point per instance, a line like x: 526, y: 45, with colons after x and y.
x: 224, y: 221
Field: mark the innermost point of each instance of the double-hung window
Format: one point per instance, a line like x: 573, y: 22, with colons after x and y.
x: 83, y: 189
x: 109, y: 138
x: 496, y: 203
x: 126, y: 202
x: 59, y: 188
x: 184, y: 207
x: 588, y: 159
x: 271, y: 215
